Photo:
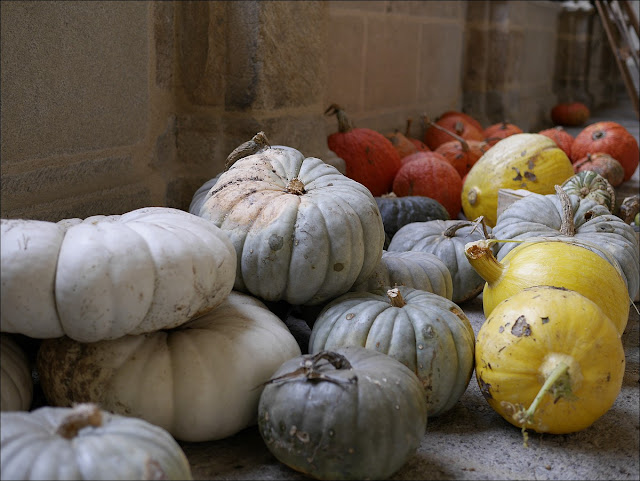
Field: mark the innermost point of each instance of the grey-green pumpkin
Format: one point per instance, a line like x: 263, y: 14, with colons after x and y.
x: 397, y: 212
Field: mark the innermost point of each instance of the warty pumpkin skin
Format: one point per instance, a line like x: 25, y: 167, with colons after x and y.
x: 348, y: 413
x: 107, y: 276
x: 303, y: 232
x: 86, y: 443
x: 428, y: 333
x: 200, y: 381
x: 588, y: 184
x: 16, y: 383
x: 544, y: 332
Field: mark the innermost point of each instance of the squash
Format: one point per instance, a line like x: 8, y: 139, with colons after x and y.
x: 462, y: 154
x: 446, y: 240
x: 303, y: 232
x: 521, y: 161
x: 562, y: 215
x: 420, y: 145
x: 370, y: 158
x: 588, y: 184
x: 602, y: 164
x: 107, y: 276
x: 200, y: 381
x: 496, y: 132
x: 85, y: 442
x: 16, y: 383
x: 550, y: 360
x: 428, y: 333
x: 396, y: 212
x: 561, y: 137
x: 570, y: 113
x: 201, y: 194
x: 401, y: 143
x: 419, y: 270
x: 452, y: 121
x: 349, y: 413
x: 572, y: 267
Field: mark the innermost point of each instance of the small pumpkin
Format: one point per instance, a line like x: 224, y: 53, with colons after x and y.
x: 348, y: 413
x: 397, y: 212
x: 16, y: 383
x: 521, y: 161
x: 420, y: 145
x: 369, y: 156
x: 589, y: 184
x: 611, y: 138
x: 561, y: 137
x: 401, y: 143
x: 85, y: 442
x: 571, y: 114
x: 428, y: 333
x: 604, y: 165
x: 549, y: 359
x: 446, y: 239
x: 496, y: 132
x: 200, y: 381
x: 108, y: 276
x: 470, y: 119
x: 452, y: 121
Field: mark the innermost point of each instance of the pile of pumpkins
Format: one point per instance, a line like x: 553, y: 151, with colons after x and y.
x: 161, y: 325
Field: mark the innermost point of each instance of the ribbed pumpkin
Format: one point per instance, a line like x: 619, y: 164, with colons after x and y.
x: 455, y: 122
x: 433, y: 177
x: 397, y: 212
x: 369, y: 156
x: 570, y: 113
x: 16, y: 383
x: 419, y: 270
x: 496, y: 132
x: 610, y: 138
x: 561, y: 137
x: 521, y: 161
x: 303, y: 232
x: 588, y: 184
x: 428, y: 333
x: 603, y: 164
x: 446, y: 240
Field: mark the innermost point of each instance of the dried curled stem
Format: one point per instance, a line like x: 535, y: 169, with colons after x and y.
x: 250, y: 147
x: 310, y: 369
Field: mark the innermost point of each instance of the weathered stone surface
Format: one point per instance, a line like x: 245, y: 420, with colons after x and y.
x: 345, y: 61
x: 372, y: 6
x: 163, y: 36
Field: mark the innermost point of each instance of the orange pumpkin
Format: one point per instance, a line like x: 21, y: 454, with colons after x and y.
x: 496, y: 132
x: 611, y: 138
x: 603, y: 164
x: 462, y: 154
x: 561, y: 137
x: 370, y: 158
x: 468, y: 118
x: 454, y: 122
x: 420, y: 145
x: 431, y: 154
x: 570, y: 113
x: 401, y: 143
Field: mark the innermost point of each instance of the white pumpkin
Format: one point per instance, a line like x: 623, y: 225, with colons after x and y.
x: 16, y: 383
x: 303, y: 232
x: 107, y: 276
x: 85, y: 442
x: 200, y: 381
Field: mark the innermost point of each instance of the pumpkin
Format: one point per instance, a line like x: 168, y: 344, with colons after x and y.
x: 561, y: 137
x: 588, y: 184
x: 107, y: 276
x: 201, y: 194
x: 462, y: 154
x: 16, y: 384
x: 451, y: 121
x: 549, y: 359
x: 496, y: 132
x: 303, y: 232
x: 562, y: 215
x: 521, y: 161
x: 401, y: 143
x: 200, y: 381
x: 428, y: 333
x: 85, y: 442
x: 462, y: 116
x: 446, y: 240
x: 370, y: 158
x: 349, y: 413
x: 570, y: 113
x: 573, y: 267
x: 602, y: 164
x: 431, y: 176
x: 419, y: 270
x: 420, y: 145
x: 610, y: 138
x: 397, y: 211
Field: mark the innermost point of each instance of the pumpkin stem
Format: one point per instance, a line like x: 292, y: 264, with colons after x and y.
x: 459, y: 128
x: 629, y: 208
x: 344, y: 123
x: 568, y: 226
x: 396, y: 298
x: 454, y: 227
x: 250, y: 147
x: 82, y: 415
x: 310, y: 369
x: 483, y: 261
x: 408, y: 128
x: 295, y: 186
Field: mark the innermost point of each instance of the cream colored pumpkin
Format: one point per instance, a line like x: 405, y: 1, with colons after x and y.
x: 107, y: 276
x: 16, y: 383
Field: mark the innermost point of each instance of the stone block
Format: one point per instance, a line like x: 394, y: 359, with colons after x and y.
x: 476, y: 60
x: 345, y: 61
x: 506, y: 58
x: 163, y: 37
x: 366, y: 6
x: 200, y: 143
x: 74, y: 77
x: 538, y: 63
x: 431, y: 9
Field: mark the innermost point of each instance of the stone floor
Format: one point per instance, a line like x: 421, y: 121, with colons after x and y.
x: 473, y: 442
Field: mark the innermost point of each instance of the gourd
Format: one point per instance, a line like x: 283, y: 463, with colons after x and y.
x: 561, y: 137
x: 568, y: 216
x: 85, y: 442
x: 396, y: 212
x: 453, y: 121
x: 16, y: 384
x: 611, y: 138
x: 549, y: 359
x: 108, y: 276
x: 303, y: 232
x: 602, y: 164
x: 201, y: 194
x: 462, y: 154
x: 401, y: 143
x: 496, y: 132
x: 588, y: 184
x: 570, y: 113
x: 446, y: 240
x: 521, y: 161
x: 348, y: 413
x: 419, y: 144
x: 200, y: 381
x: 428, y: 333
x: 419, y: 270
x: 561, y: 263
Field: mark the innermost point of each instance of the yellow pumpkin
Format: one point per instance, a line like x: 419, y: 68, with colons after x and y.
x: 550, y: 360
x: 521, y: 161
x: 559, y: 262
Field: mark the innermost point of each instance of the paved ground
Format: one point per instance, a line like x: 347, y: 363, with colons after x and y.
x: 472, y: 441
